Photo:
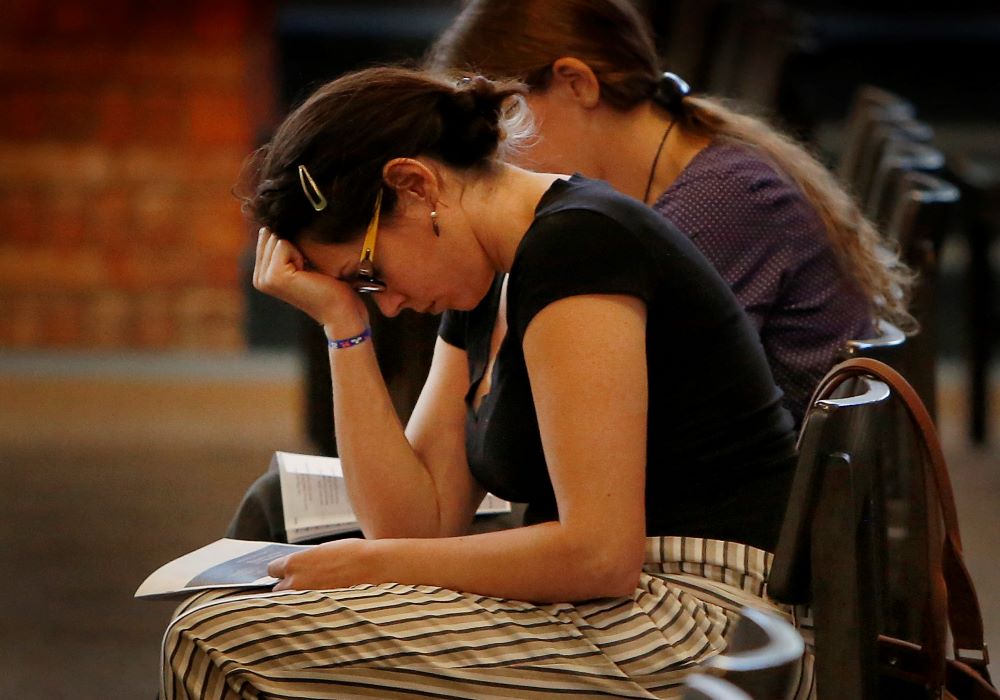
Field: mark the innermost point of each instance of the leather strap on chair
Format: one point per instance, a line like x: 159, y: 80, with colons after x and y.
x: 949, y: 576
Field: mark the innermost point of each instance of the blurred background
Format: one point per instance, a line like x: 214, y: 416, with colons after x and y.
x: 144, y: 383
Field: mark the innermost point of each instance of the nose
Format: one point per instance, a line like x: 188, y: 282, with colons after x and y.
x: 389, y: 303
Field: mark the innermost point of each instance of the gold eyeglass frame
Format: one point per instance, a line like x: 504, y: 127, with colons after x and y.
x: 367, y: 281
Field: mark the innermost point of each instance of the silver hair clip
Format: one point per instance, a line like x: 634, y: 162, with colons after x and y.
x: 315, y: 197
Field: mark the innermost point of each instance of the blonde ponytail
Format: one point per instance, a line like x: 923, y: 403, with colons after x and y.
x: 862, y: 252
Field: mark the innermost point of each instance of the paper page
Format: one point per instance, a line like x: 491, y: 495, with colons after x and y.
x: 315, y: 501
x: 313, y: 496
x: 225, y: 563
x: 492, y: 504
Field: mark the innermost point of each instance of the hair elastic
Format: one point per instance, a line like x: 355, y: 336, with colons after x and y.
x: 352, y: 341
x: 671, y: 91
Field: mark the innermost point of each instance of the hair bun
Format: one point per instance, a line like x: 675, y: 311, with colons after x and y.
x: 470, y: 119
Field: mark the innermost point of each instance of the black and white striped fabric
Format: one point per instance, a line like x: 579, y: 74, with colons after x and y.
x: 394, y: 640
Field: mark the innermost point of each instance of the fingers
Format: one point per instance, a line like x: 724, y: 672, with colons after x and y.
x: 277, y: 567
x: 265, y: 244
x: 272, y: 258
x: 279, y: 570
x: 292, y: 255
x: 267, y: 258
x: 281, y: 271
x: 261, y: 237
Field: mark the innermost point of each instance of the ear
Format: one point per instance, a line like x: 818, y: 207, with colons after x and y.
x: 412, y: 180
x: 577, y: 80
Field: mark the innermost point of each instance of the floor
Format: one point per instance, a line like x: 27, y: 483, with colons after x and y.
x: 111, y: 466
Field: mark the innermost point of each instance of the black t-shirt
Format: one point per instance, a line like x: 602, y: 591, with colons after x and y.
x: 720, y: 448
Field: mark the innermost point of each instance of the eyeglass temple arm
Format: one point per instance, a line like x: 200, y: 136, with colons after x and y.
x: 369, y: 245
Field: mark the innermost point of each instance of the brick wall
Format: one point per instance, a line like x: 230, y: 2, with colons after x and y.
x: 122, y: 129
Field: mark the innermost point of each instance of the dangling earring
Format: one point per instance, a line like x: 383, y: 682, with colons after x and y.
x: 434, y: 223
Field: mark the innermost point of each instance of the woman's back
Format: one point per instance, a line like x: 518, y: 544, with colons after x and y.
x: 772, y: 248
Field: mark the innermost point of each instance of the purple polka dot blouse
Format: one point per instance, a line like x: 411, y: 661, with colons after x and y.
x: 770, y: 245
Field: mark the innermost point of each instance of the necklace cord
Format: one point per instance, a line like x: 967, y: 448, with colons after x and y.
x: 656, y: 159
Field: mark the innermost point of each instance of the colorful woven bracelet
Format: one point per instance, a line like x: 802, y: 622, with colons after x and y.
x: 352, y: 341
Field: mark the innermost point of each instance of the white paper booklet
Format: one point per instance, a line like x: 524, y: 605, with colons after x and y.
x: 223, y: 564
x: 314, y: 497
x: 315, y: 502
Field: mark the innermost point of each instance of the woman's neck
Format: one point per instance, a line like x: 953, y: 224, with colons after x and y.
x: 502, y: 207
x: 638, y: 135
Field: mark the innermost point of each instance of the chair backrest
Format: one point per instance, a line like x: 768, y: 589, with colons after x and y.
x: 869, y: 105
x: 899, y: 494
x: 826, y: 553
x: 885, y: 346
x: 700, y: 686
x: 868, y: 98
x: 752, y: 46
x: 922, y: 212
x: 883, y: 132
x: 694, y: 38
x: 762, y: 655
x: 900, y: 155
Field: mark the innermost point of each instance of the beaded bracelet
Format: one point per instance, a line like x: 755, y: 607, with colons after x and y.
x: 352, y: 341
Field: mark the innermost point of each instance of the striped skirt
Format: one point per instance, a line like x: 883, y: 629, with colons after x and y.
x: 394, y: 640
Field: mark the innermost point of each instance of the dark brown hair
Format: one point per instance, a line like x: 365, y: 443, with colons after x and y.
x: 521, y: 39
x: 347, y: 130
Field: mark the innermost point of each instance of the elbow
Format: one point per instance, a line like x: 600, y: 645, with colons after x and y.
x: 398, y: 531
x: 620, y: 581
x: 401, y: 524
x: 612, y: 570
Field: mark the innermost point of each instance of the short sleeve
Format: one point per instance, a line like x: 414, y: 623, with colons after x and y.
x: 454, y: 328
x: 574, y: 252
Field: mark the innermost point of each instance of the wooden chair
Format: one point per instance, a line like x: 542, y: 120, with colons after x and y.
x: 922, y: 212
x: 835, y: 548
x: 872, y: 97
x: 900, y: 487
x: 826, y: 552
x: 753, y: 44
x: 900, y: 155
x: 883, y: 132
x: 899, y: 483
x: 885, y: 346
x: 692, y: 36
x: 870, y: 106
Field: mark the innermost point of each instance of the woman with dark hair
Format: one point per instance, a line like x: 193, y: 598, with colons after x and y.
x: 808, y: 268
x: 620, y: 392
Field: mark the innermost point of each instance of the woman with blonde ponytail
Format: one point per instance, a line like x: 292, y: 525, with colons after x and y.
x: 808, y: 268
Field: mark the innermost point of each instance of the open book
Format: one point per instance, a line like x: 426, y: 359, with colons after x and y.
x: 316, y: 505
x: 223, y: 564
x: 314, y: 497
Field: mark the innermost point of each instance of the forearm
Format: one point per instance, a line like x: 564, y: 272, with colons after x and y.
x: 394, y: 490
x: 540, y: 563
x: 391, y: 490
